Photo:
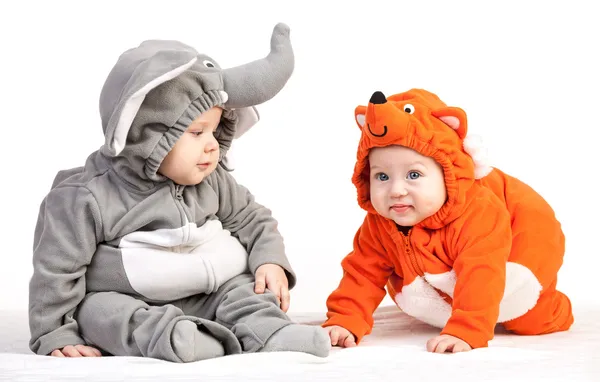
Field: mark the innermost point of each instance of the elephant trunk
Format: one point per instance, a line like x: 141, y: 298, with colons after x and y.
x: 258, y: 81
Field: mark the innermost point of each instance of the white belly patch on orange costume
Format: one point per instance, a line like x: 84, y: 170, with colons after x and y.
x: 419, y: 299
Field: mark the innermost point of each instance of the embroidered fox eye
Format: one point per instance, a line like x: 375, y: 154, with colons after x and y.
x: 208, y: 64
x: 408, y: 108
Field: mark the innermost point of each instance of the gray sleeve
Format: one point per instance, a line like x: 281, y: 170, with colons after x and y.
x: 251, y: 222
x: 67, y: 232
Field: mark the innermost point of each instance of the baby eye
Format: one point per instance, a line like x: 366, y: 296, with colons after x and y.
x: 382, y: 177
x: 208, y: 64
x: 413, y: 175
x: 196, y: 133
x: 408, y: 108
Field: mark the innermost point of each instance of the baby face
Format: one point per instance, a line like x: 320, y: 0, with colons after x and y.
x: 405, y: 186
x: 196, y: 154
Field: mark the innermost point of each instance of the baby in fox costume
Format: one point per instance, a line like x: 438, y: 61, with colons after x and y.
x: 459, y: 245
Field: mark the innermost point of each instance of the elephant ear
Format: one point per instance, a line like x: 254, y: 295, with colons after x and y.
x: 136, y: 73
x: 247, y: 117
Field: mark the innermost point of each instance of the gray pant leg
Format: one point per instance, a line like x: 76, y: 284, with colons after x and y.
x: 123, y: 325
x: 252, y: 317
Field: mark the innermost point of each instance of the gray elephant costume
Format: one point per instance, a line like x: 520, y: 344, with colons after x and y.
x: 130, y: 262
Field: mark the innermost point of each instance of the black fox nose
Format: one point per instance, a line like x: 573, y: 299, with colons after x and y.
x: 378, y: 98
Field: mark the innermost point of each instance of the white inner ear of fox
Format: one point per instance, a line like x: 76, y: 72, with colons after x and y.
x: 451, y: 121
x: 360, y: 119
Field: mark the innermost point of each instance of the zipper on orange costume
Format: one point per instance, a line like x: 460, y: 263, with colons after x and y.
x: 410, y: 253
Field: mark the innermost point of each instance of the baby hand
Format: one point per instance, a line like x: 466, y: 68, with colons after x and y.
x: 76, y: 351
x: 340, y: 336
x: 447, y: 343
x: 273, y: 277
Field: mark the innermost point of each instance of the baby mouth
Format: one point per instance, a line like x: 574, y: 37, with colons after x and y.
x: 400, y: 208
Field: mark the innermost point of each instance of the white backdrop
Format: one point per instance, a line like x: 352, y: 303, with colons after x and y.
x: 525, y: 72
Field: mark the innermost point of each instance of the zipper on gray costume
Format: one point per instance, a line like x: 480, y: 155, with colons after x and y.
x: 179, y: 197
x: 179, y: 191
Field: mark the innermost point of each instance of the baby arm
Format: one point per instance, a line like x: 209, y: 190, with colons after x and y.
x: 366, y: 270
x: 65, y: 238
x: 256, y: 229
x: 482, y: 240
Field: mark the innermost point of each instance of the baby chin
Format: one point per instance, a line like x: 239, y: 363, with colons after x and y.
x: 406, y: 216
x: 196, y: 177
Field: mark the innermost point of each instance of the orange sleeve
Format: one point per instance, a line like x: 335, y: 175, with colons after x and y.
x: 366, y: 271
x: 482, y: 240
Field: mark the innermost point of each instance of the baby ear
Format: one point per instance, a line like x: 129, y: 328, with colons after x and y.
x: 359, y: 116
x: 454, y: 117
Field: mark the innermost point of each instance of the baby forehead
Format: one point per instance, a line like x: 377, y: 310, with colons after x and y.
x: 394, y: 151
x: 396, y: 155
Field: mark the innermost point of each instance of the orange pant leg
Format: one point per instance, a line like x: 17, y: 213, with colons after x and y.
x: 539, y: 244
x: 552, y: 313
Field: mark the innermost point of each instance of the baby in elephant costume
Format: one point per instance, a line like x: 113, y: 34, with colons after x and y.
x: 152, y: 249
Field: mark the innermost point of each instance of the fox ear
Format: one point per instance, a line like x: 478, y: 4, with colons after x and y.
x: 359, y: 116
x: 455, y: 118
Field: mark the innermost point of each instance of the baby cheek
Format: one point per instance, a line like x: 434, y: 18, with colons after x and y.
x: 435, y: 200
x: 378, y: 196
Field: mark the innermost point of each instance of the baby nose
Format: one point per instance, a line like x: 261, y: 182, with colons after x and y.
x: 399, y: 189
x: 211, y: 145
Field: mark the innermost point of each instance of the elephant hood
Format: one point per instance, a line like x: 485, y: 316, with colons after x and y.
x: 155, y: 90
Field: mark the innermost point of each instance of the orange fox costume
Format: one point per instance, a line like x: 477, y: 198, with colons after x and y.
x: 490, y: 255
